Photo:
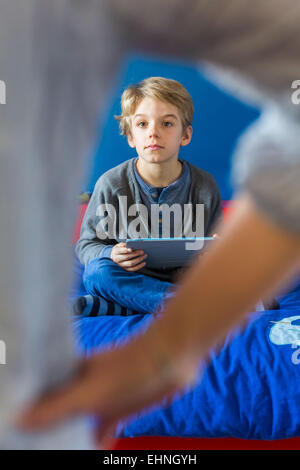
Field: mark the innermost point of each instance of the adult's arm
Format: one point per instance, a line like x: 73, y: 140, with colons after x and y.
x: 257, y: 38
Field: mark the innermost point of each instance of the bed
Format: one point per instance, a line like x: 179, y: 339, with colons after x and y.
x: 250, y: 390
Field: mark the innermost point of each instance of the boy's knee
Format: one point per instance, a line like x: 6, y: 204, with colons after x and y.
x: 96, y: 275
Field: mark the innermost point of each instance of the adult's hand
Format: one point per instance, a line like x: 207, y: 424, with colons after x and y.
x: 111, y: 385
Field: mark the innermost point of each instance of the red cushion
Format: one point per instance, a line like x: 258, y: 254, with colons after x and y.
x: 179, y: 443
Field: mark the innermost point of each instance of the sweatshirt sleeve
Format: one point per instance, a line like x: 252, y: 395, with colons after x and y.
x: 267, y: 166
x: 93, y: 236
x: 216, y: 211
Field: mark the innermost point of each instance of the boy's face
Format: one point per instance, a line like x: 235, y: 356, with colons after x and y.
x: 156, y: 131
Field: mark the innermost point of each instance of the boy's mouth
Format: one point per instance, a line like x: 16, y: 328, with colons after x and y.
x: 154, y: 147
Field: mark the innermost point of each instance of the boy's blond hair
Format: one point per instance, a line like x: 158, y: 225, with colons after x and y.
x: 160, y: 88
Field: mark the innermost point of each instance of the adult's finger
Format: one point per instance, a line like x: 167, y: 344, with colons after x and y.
x: 105, y: 434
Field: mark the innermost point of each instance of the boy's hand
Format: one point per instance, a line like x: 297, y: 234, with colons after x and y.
x: 128, y: 259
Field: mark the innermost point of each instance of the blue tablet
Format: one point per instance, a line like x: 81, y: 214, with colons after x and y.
x: 169, y: 252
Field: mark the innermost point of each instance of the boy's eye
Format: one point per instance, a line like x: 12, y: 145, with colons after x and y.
x: 168, y: 124
x: 141, y: 124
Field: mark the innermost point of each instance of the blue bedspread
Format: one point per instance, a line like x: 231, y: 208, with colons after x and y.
x: 250, y: 389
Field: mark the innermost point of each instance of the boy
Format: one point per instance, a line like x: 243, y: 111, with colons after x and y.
x: 157, y: 120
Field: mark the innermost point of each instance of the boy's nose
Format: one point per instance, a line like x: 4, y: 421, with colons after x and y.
x: 153, y: 130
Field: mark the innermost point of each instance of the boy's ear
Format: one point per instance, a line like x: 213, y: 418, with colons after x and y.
x: 130, y: 140
x: 186, y: 136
